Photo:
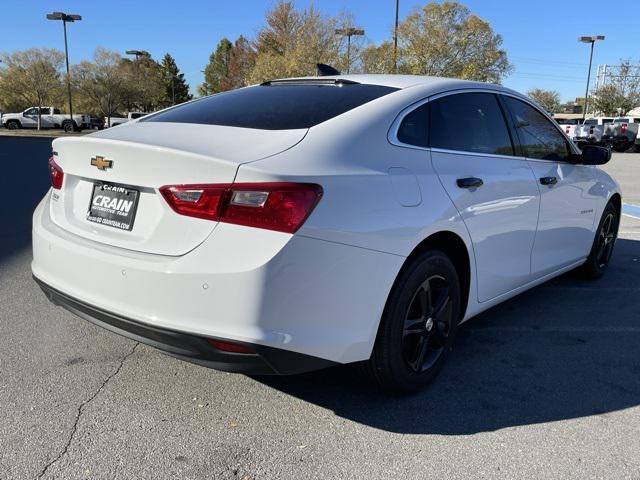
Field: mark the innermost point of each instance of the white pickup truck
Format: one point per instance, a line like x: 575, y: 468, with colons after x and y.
x: 622, y: 133
x: 591, y: 130
x: 113, y: 121
x: 569, y: 125
x: 49, y: 118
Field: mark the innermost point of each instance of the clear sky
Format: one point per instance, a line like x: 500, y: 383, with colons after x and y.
x: 540, y: 36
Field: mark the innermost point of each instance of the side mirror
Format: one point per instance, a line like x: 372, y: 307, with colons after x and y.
x: 594, y: 155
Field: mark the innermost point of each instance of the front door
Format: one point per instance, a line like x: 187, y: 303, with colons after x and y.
x: 568, y: 192
x: 494, y: 191
x: 30, y: 118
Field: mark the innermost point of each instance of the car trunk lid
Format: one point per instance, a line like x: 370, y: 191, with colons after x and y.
x: 138, y: 159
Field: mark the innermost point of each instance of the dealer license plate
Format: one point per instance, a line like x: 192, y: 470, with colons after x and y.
x: 113, y: 205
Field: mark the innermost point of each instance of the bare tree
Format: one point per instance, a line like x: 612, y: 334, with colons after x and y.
x: 33, y: 76
x: 621, y: 94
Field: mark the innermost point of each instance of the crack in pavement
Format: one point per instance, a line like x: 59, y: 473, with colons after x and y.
x: 81, y: 409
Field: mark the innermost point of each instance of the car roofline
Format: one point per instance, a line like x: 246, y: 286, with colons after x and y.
x: 387, y: 80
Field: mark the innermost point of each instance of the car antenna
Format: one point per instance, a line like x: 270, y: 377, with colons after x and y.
x: 324, y: 70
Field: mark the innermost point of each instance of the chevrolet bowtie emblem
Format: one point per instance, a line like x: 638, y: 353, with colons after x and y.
x: 101, y: 163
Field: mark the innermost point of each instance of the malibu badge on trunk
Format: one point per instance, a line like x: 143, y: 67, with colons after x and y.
x: 113, y: 205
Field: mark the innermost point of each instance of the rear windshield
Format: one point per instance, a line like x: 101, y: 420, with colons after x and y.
x: 276, y: 106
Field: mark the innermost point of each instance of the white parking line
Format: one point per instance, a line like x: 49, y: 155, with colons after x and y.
x: 630, y: 210
x: 534, y: 329
x: 593, y: 289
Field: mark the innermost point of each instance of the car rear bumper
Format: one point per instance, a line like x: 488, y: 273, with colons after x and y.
x: 251, y: 286
x: 192, y: 348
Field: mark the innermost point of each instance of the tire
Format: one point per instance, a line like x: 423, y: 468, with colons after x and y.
x: 69, y: 126
x: 621, y: 147
x: 603, y: 243
x: 13, y: 125
x: 413, y: 342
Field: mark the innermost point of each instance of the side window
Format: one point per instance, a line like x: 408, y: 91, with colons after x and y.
x: 413, y: 129
x: 31, y: 111
x: 538, y: 136
x: 56, y: 111
x: 45, y: 111
x: 469, y: 122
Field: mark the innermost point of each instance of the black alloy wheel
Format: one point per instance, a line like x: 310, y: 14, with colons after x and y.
x: 606, y: 239
x: 427, y: 324
x: 602, y: 248
x: 418, y: 325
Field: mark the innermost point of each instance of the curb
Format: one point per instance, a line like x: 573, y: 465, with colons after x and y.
x: 42, y: 134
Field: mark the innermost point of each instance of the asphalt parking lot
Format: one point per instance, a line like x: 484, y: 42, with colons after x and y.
x: 546, y: 385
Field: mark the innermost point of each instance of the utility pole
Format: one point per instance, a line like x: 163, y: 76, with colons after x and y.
x: 395, y: 41
x: 66, y: 18
x: 592, y: 40
x: 349, y: 32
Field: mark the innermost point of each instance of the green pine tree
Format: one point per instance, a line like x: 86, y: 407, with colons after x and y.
x: 176, y: 87
x: 217, y: 69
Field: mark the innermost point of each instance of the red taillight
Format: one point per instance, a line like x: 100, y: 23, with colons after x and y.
x: 274, y: 206
x: 229, y: 346
x: 623, y: 128
x: 56, y: 174
x: 200, y: 201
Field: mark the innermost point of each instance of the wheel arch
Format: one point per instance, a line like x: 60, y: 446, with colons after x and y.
x: 452, y: 245
x: 616, y: 199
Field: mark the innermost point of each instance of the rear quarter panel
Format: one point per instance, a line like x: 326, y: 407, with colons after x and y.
x: 351, y: 158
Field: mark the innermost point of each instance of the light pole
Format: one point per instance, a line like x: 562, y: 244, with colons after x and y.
x: 66, y: 18
x: 395, y: 41
x: 138, y: 53
x: 592, y: 40
x: 349, y: 32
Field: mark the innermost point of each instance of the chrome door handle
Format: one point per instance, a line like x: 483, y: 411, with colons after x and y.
x: 469, y: 182
x: 548, y: 180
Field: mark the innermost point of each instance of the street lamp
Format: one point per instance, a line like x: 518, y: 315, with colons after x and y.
x: 592, y: 40
x: 66, y: 18
x: 138, y: 53
x: 349, y: 32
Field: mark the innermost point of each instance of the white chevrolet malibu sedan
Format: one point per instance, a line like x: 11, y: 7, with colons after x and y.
x: 307, y: 222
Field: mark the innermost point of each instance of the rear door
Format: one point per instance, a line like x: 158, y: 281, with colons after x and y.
x: 568, y: 192
x: 46, y: 118
x: 494, y: 191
